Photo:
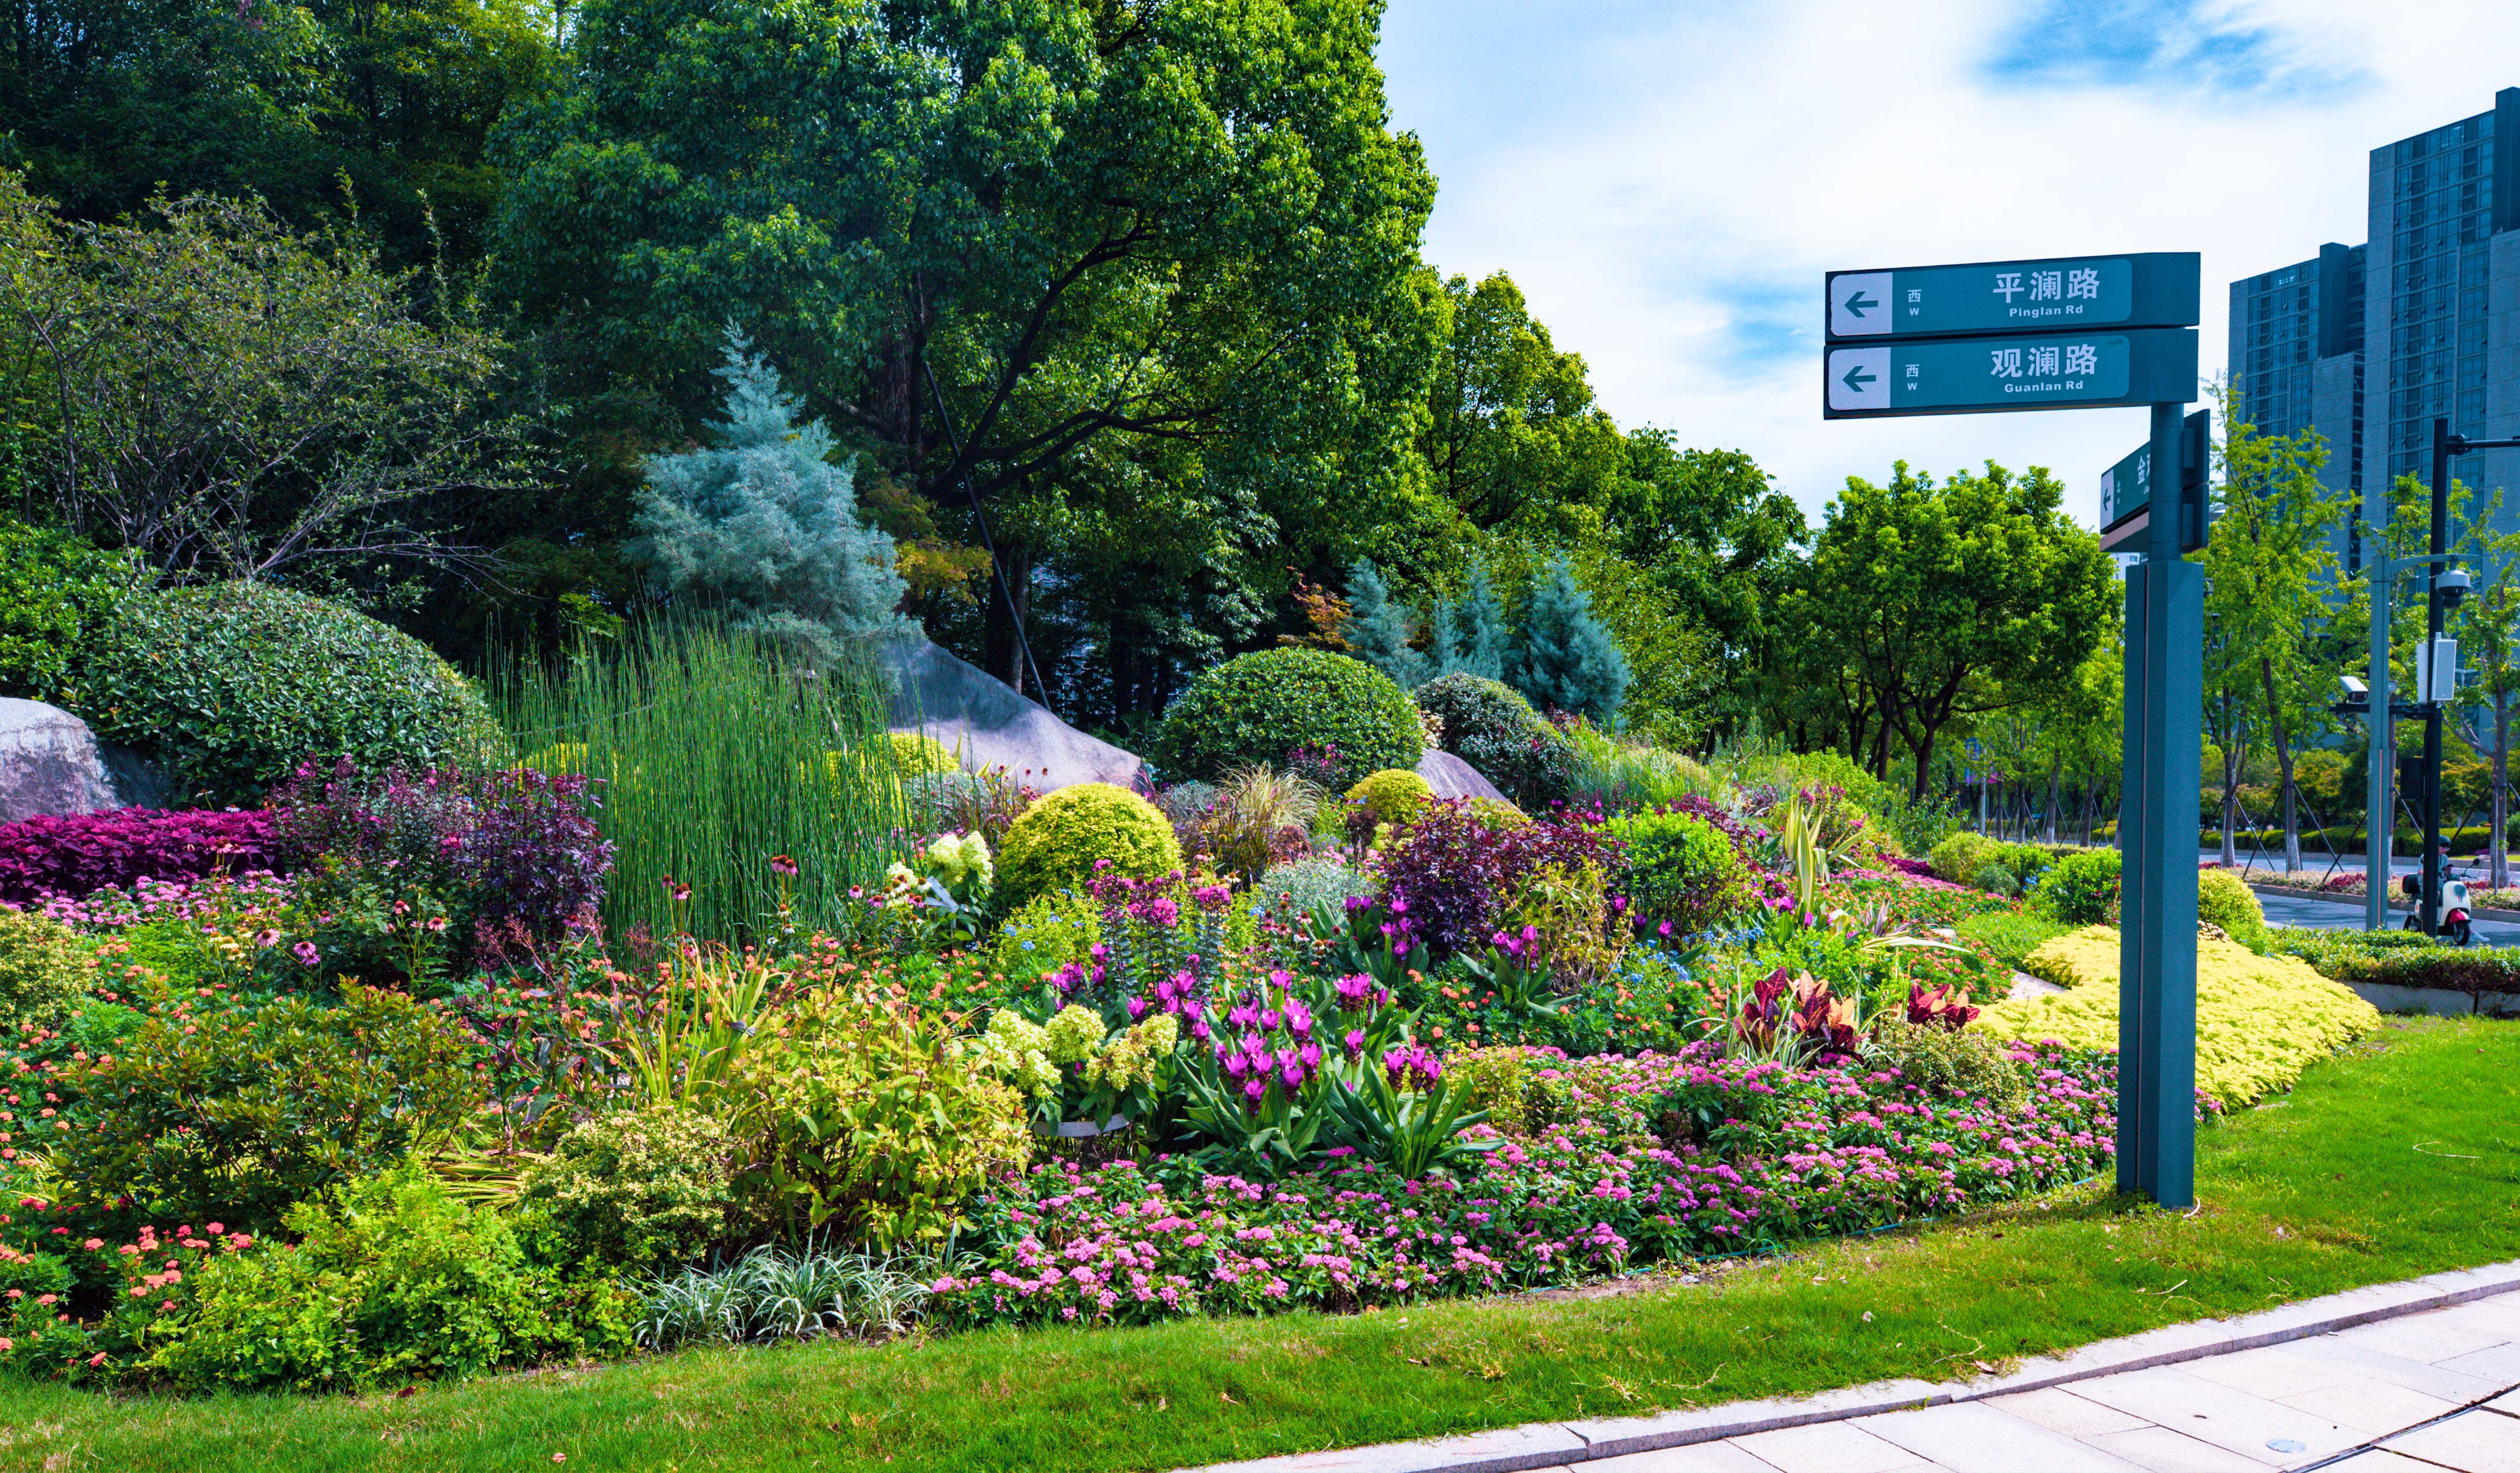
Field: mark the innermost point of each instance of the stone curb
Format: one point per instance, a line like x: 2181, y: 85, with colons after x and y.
x: 1559, y: 1445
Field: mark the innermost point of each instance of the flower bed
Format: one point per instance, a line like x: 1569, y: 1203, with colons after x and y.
x: 51, y: 855
x: 1656, y: 1158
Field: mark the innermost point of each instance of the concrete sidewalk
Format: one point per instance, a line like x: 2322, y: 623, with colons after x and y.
x: 2416, y: 1377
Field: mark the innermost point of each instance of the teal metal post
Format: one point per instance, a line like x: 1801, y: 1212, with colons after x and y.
x: 2379, y: 820
x: 2158, y: 907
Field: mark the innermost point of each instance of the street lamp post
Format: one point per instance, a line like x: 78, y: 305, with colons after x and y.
x: 2436, y: 683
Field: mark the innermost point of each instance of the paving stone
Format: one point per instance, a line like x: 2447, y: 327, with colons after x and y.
x: 2274, y: 1373
x: 2058, y: 1410
x: 2500, y: 1365
x: 2158, y: 1449
x: 2498, y: 1317
x: 2428, y: 1338
x: 2374, y: 1405
x: 1537, y: 1445
x: 1705, y: 1457
x: 1827, y: 1447
x: 2473, y: 1442
x: 2379, y: 1462
x: 2397, y: 1371
x: 1610, y: 1436
x: 2219, y: 1415
x: 2509, y: 1401
x: 1973, y: 1437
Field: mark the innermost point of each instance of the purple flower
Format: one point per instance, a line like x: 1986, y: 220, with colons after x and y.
x: 306, y: 953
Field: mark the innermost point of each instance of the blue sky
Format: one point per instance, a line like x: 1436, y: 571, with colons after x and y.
x: 1667, y: 182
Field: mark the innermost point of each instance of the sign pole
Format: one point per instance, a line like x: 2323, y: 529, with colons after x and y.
x: 2157, y: 909
x: 2379, y: 818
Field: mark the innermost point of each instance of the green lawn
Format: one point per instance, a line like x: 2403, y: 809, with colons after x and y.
x: 2401, y: 1159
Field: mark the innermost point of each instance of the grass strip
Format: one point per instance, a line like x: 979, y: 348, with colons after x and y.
x: 2402, y: 1158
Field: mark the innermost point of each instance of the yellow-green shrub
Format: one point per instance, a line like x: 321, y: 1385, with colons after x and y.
x: 2225, y: 899
x: 2260, y: 1020
x: 637, y: 1187
x: 44, y: 970
x: 1498, y: 814
x: 865, y: 1120
x: 1396, y: 795
x: 1047, y: 933
x: 916, y: 751
x: 1055, y: 844
x: 1570, y: 907
x: 1960, y: 856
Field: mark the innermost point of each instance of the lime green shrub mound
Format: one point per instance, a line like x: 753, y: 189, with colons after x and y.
x: 2260, y: 1020
x: 1396, y: 795
x: 1681, y: 869
x: 1047, y: 933
x: 44, y: 971
x: 639, y: 1188
x: 234, y: 684
x: 1055, y: 844
x: 2225, y: 899
x: 916, y: 751
x: 1257, y: 708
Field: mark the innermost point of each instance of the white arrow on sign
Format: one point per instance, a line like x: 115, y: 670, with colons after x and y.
x: 1859, y: 303
x: 1859, y: 378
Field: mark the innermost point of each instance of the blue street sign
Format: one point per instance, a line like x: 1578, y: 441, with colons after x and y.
x: 2146, y: 289
x: 1986, y: 375
x: 2125, y: 492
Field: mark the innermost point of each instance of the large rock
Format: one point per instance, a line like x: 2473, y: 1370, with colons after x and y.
x: 50, y: 763
x: 1450, y: 777
x: 980, y: 717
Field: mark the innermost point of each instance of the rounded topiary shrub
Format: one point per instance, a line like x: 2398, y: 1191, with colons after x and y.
x: 2225, y: 899
x: 1260, y: 707
x: 1960, y: 856
x: 1489, y: 726
x: 44, y: 971
x: 232, y: 685
x: 2080, y: 889
x: 1681, y: 870
x: 1056, y: 842
x: 1396, y: 795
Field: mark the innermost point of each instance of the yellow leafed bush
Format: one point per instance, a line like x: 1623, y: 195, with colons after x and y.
x: 2260, y: 1020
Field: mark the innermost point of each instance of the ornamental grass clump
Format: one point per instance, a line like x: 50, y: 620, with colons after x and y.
x: 2260, y: 1020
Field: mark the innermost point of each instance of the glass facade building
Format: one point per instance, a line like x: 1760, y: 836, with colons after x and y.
x: 2368, y: 345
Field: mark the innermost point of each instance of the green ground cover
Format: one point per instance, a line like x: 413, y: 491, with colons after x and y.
x: 2399, y: 1159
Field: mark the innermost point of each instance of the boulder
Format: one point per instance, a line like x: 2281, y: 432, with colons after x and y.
x: 1450, y: 777
x: 983, y: 721
x: 52, y: 763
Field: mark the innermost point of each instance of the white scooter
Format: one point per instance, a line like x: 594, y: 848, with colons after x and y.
x: 2455, y: 927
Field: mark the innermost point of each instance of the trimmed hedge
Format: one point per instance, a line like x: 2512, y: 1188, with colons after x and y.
x: 232, y: 685
x: 1260, y: 707
x: 2260, y: 1020
x: 2399, y: 959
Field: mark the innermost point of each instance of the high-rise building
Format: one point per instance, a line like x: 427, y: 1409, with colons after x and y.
x: 2296, y: 362
x: 2443, y: 331
x: 2368, y: 345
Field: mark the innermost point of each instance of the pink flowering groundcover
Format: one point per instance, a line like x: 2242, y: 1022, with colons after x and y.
x: 1652, y: 1158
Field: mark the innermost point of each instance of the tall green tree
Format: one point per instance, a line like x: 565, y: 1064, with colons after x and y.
x: 1152, y: 256
x: 1946, y: 601
x: 1512, y: 434
x: 324, y: 110
x: 2270, y: 578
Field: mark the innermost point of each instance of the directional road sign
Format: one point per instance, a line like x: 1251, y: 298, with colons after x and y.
x: 2147, y: 289
x: 1985, y: 374
x: 2126, y: 493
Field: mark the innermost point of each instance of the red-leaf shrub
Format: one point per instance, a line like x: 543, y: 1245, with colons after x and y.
x: 77, y: 855
x: 515, y: 852
x: 1450, y: 878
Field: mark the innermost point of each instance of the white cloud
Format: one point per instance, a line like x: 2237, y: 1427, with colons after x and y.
x: 1667, y: 185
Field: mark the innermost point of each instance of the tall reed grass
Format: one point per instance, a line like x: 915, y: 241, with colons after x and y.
x: 716, y: 758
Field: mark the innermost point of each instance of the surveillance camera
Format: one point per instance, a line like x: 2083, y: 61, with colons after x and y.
x: 2355, y: 690
x: 2451, y: 586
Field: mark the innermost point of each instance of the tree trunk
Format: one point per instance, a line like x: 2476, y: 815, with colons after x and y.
x: 2284, y: 764
x: 2231, y: 802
